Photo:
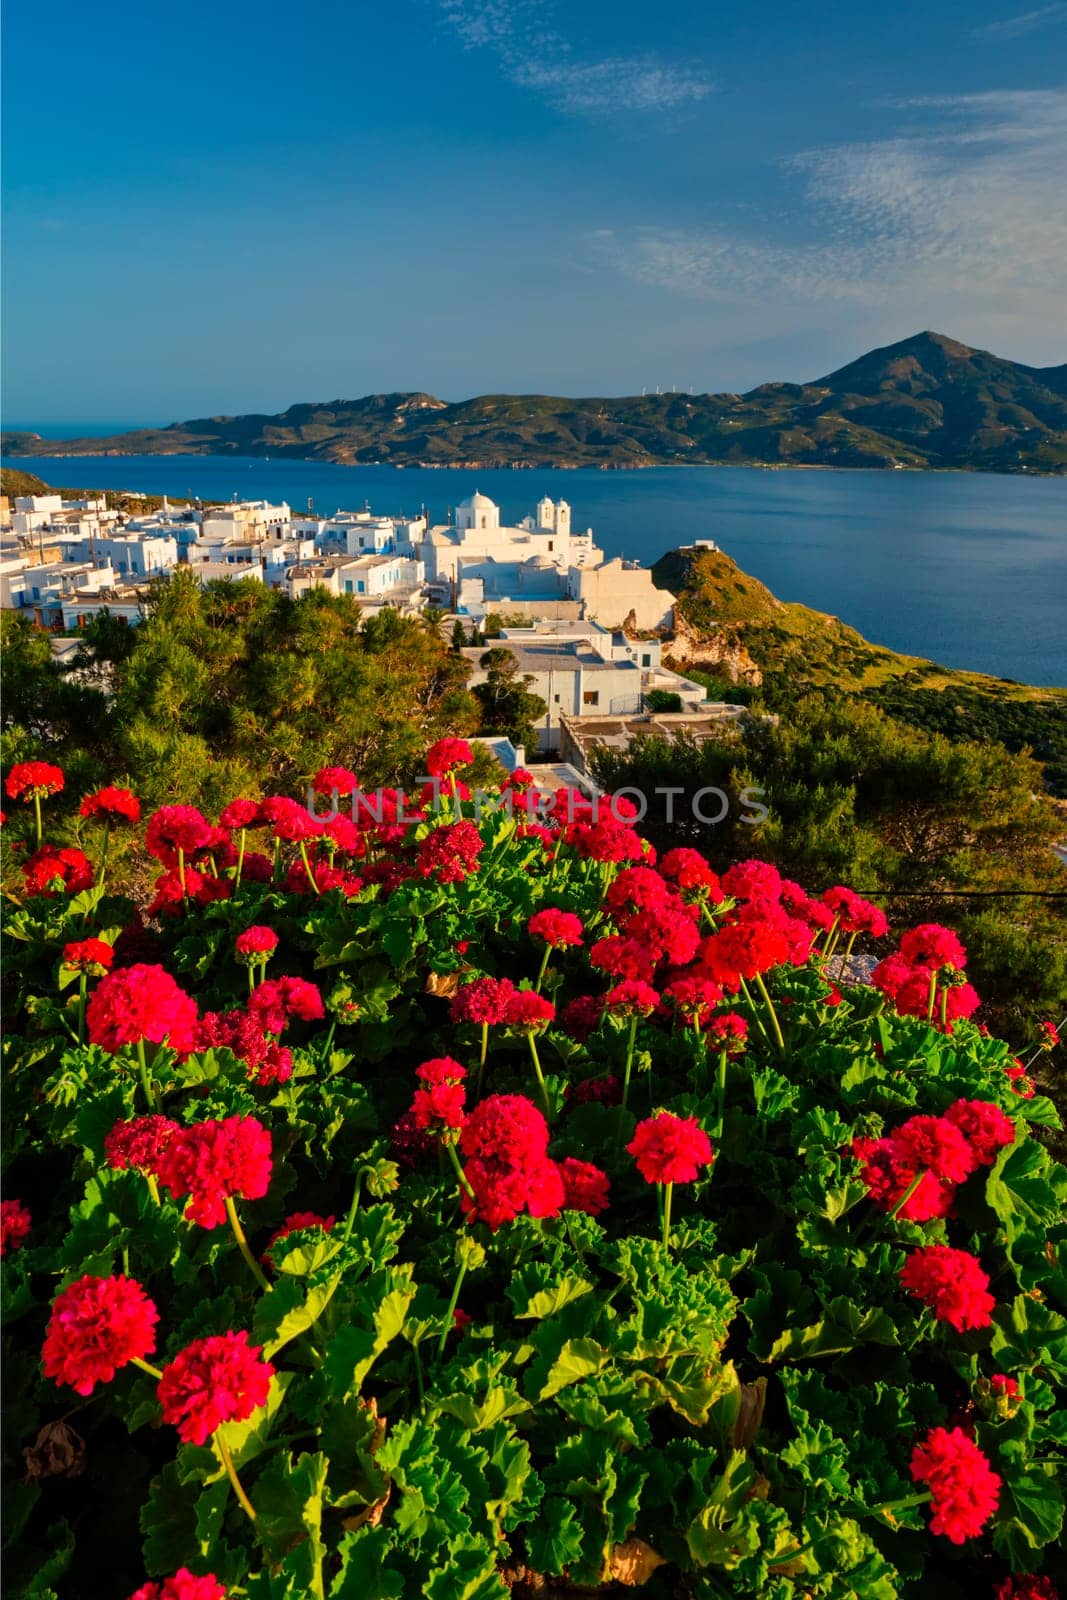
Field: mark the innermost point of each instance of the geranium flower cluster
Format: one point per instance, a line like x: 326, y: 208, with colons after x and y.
x: 924, y: 977
x: 964, y: 1488
x: 97, y: 1326
x: 15, y: 1225
x: 952, y: 1284
x: 141, y: 1003
x: 439, y: 1107
x: 215, y: 1161
x: 182, y: 1585
x: 30, y: 780
x: 504, y: 1141
x: 669, y: 1149
x: 930, y: 1157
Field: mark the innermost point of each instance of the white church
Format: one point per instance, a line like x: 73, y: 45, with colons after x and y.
x: 541, y: 567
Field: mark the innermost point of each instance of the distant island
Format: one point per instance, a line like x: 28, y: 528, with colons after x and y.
x: 925, y: 402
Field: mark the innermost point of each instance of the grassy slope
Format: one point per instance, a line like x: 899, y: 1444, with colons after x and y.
x: 796, y: 647
x: 15, y: 482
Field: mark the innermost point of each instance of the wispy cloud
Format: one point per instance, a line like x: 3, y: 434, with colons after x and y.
x: 961, y: 216
x: 534, y: 55
x: 1025, y: 22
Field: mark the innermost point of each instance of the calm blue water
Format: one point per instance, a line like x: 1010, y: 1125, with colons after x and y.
x: 970, y: 570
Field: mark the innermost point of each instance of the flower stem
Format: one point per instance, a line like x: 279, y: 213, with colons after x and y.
x: 456, y: 1287
x: 481, y: 1061
x: 242, y: 1244
x: 542, y: 1085
x: 747, y: 992
x: 146, y: 1366
x: 908, y: 1192
x: 240, y: 858
x: 307, y: 865
x: 668, y: 1190
x: 544, y: 969
x: 181, y: 869
x: 153, y: 1187
x: 231, y: 1472
x: 775, y: 1024
x: 354, y: 1207
x: 83, y: 983
x: 720, y: 1093
x: 905, y: 1504
x: 944, y: 1011
x: 629, y: 1059
x: 251, y: 980
x: 142, y: 1061
x: 843, y: 963
x: 37, y: 814
x: 464, y: 1181
x: 102, y: 870
x: 932, y: 996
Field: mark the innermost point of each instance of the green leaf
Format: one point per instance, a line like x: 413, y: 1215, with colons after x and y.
x: 1030, y: 1512
x: 1029, y: 1334
x: 554, y: 1541
x: 288, y: 1500
x: 578, y: 1359
x: 535, y: 1291
x: 843, y: 1327
x: 364, y: 1574
x: 353, y: 1349
x: 285, y: 1312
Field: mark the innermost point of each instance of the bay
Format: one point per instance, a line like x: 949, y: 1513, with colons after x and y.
x: 967, y: 569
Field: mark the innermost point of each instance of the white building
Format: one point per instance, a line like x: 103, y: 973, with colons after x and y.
x: 583, y: 670
x: 479, y: 565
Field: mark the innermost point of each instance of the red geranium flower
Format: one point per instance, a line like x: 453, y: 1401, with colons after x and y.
x: 212, y: 1381
x: 174, y: 828
x: 636, y: 889
x: 505, y: 1127
x: 502, y: 1192
x: 689, y: 870
x: 182, y: 1586
x: 442, y: 1103
x: 622, y: 957
x: 255, y: 943
x: 451, y: 852
x: 1026, y: 1586
x: 446, y: 755
x: 139, y: 1143
x: 114, y: 805
x: 951, y: 1283
x: 214, y: 1161
x: 756, y: 881
x: 670, y: 1149
x: 529, y: 1011
x: 742, y: 950
x: 582, y: 1015
x: 631, y: 998
x: 559, y: 929
x: 273, y: 1003
x: 92, y: 956
x: 331, y: 780
x: 15, y: 1225
x: 585, y: 1187
x: 34, y: 778
x: 854, y: 914
x: 729, y: 1026
x: 930, y: 945
x: 240, y: 814
x: 482, y: 1000
x: 97, y: 1326
x: 141, y: 1002
x: 963, y: 1486
x: 984, y: 1126
x: 52, y: 866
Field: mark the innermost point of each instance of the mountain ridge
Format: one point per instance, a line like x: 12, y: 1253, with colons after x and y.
x: 924, y: 402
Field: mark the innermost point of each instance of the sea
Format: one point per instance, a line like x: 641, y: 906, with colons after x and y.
x: 967, y: 569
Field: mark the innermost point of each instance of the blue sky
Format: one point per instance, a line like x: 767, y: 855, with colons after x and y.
x: 209, y: 209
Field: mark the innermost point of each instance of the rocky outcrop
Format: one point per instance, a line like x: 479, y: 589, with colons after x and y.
x: 721, y: 651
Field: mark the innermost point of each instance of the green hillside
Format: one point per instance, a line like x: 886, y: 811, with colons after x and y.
x: 927, y: 401
x: 734, y: 628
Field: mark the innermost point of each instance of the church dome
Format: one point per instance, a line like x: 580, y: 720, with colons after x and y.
x: 478, y: 502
